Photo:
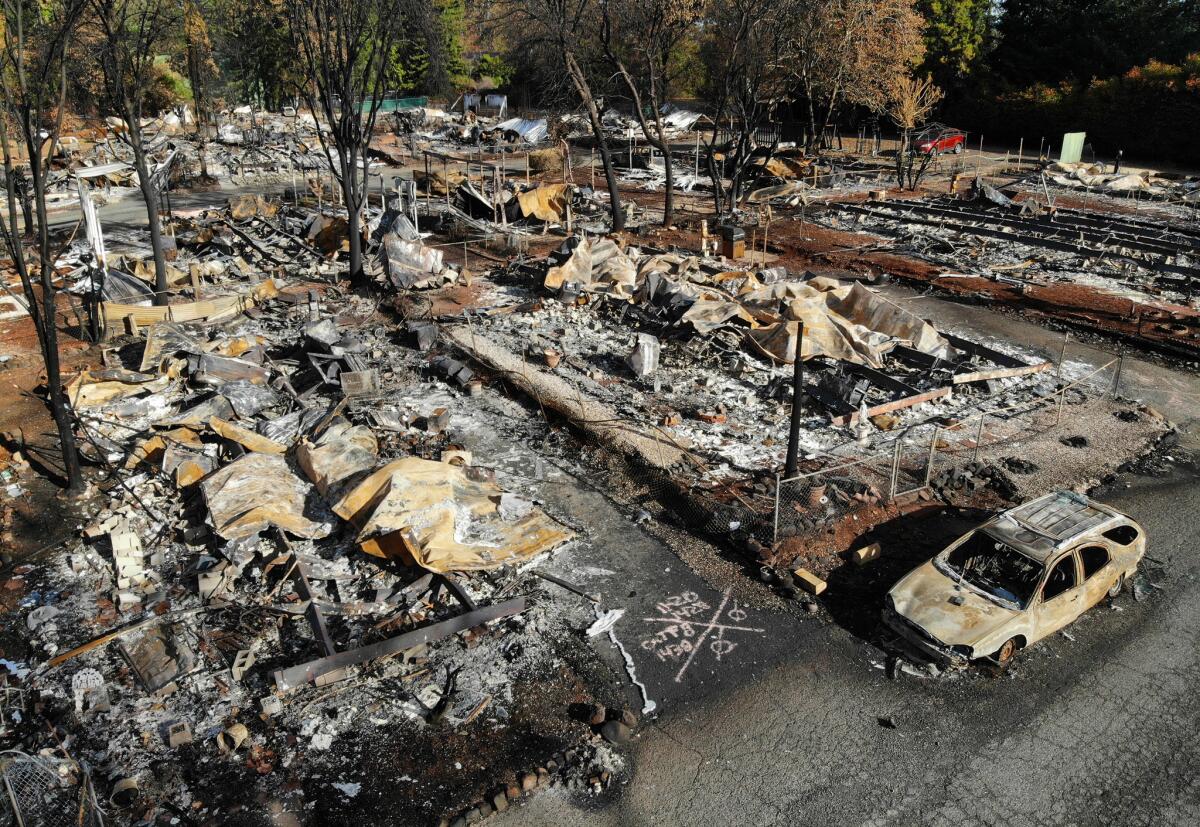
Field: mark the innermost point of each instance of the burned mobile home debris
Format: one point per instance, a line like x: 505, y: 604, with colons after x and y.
x: 420, y: 539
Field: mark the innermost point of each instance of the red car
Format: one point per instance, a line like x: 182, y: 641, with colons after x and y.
x: 938, y: 139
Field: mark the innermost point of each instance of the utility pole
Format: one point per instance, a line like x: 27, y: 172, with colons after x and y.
x: 793, y: 451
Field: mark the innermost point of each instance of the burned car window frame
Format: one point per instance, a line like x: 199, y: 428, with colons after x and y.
x: 1115, y: 533
x: 1069, y: 557
x: 1083, y: 564
x: 959, y: 575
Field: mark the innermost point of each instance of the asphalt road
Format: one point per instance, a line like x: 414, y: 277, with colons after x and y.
x: 1096, y: 728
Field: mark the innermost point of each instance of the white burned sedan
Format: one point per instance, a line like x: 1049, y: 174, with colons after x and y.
x: 1019, y: 577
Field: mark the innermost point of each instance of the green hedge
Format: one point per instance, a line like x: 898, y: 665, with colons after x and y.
x: 1152, y: 112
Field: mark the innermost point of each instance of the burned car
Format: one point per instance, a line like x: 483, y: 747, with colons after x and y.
x: 1019, y: 577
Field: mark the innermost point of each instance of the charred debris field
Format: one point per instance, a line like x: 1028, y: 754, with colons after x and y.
x: 456, y: 534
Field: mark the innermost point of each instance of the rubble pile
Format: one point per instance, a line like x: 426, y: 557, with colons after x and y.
x: 1142, y: 259
x: 318, y: 528
x: 1097, y: 177
x: 300, y: 548
x: 973, y: 477
x: 697, y: 351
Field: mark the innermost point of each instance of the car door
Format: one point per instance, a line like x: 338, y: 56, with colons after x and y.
x: 1098, y: 569
x: 1060, y: 599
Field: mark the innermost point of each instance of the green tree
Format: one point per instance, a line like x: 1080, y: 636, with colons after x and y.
x: 428, y: 55
x: 449, y: 71
x: 1047, y: 41
x: 495, y: 67
x: 957, y: 34
x: 253, y: 51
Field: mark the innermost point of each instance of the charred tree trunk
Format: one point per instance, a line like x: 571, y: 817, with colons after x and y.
x: 669, y: 197
x: 27, y: 211
x: 150, y: 196
x: 13, y: 237
x: 58, y: 399
x: 901, y: 154
x: 589, y: 103
x: 350, y: 193
x: 197, y: 82
x: 813, y: 143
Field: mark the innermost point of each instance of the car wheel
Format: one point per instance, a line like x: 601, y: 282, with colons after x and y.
x: 1116, y: 588
x: 1006, y: 652
x: 958, y: 149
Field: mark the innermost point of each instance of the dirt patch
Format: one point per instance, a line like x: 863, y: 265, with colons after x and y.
x: 33, y: 515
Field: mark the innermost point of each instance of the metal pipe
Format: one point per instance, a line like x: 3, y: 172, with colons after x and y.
x: 775, y: 529
x: 932, y: 452
x: 978, y: 438
x: 793, y: 451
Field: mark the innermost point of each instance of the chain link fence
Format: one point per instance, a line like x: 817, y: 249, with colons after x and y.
x: 41, y: 791
x: 932, y: 452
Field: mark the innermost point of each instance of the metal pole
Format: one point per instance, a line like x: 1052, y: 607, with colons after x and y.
x: 932, y: 450
x: 978, y: 439
x: 1116, y: 386
x: 1063, y: 355
x: 793, y: 451
x: 775, y: 529
x: 895, y: 466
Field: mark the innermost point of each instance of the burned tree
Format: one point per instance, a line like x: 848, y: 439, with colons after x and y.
x: 201, y: 68
x: 33, y: 81
x: 747, y: 60
x: 345, y: 50
x: 639, y: 37
x: 128, y: 36
x: 910, y: 102
x: 564, y: 28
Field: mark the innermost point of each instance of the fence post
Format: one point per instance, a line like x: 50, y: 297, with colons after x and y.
x: 775, y: 529
x: 895, y: 467
x: 932, y: 450
x: 793, y: 450
x: 978, y: 438
x: 1063, y: 355
x: 1116, y: 385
